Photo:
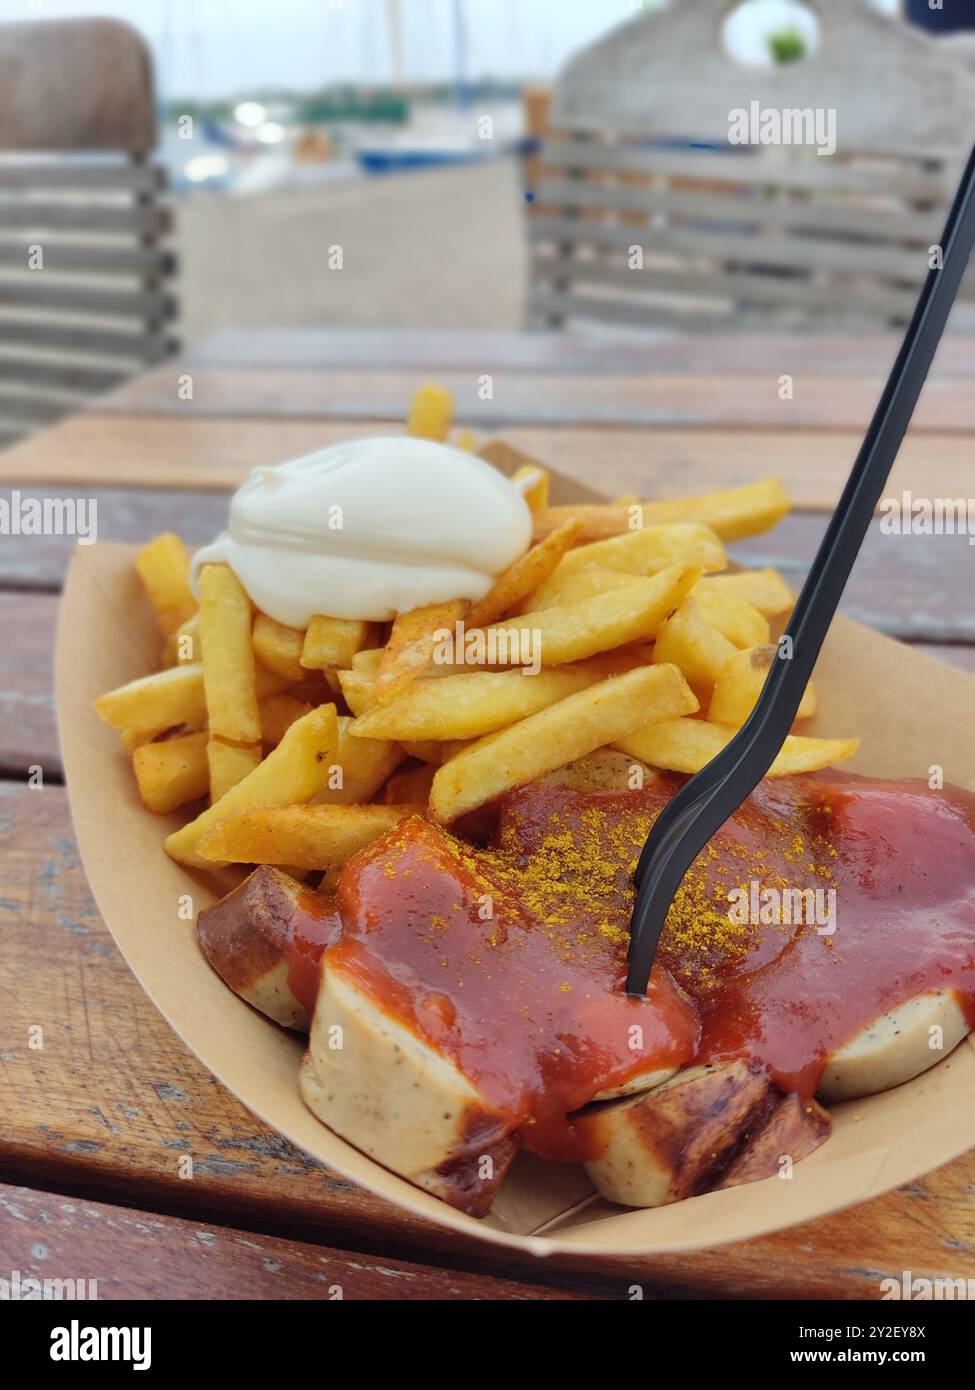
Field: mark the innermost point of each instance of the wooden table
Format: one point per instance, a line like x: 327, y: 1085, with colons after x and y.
x: 92, y: 1125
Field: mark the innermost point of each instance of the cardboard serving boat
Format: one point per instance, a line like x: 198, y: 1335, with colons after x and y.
x: 911, y: 713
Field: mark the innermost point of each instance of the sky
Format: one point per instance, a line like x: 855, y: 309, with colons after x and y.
x: 217, y: 48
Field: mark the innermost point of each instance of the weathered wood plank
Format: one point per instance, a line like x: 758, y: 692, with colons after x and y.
x: 735, y: 287
x: 823, y: 399
x: 878, y: 220
x: 22, y: 174
x: 142, y: 219
x: 102, y: 259
x: 96, y: 450
x: 113, y: 1101
x: 578, y: 350
x: 149, y: 347
x: 73, y: 298
x: 131, y: 1254
x: 746, y: 169
x: 28, y: 731
x: 799, y: 253
x: 133, y: 514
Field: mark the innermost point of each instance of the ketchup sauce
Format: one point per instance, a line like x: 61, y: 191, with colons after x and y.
x: 511, y: 960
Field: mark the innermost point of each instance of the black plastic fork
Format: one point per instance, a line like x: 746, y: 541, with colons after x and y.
x: 704, y: 803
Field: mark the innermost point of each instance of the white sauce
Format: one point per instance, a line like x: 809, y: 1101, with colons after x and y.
x: 369, y: 529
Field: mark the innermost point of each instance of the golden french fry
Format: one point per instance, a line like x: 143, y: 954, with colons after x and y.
x: 689, y: 641
x: 575, y: 631
x: 649, y: 550
x: 229, y: 763
x: 734, y: 514
x: 558, y: 735
x: 533, y: 484
x: 151, y: 704
x: 574, y: 585
x: 291, y: 773
x: 466, y: 442
x: 431, y: 413
x: 411, y: 644
x: 171, y: 772
x: 369, y: 660
x: 765, y: 590
x: 425, y: 750
x: 303, y: 837
x: 229, y: 679
x: 740, y: 684
x: 165, y: 700
x: 164, y: 568
x: 687, y: 745
x: 470, y: 705
x: 331, y: 643
x: 361, y: 767
x: 411, y: 788
x: 278, y: 648
x: 524, y: 576
x: 358, y: 691
x: 278, y: 713
x: 734, y: 617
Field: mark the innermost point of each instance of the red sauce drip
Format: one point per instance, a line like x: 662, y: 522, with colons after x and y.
x: 313, y: 927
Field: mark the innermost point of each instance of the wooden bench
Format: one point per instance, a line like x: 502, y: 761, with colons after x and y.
x: 644, y: 213
x: 83, y: 265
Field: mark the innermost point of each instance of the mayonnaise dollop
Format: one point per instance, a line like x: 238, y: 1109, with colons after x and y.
x: 369, y: 529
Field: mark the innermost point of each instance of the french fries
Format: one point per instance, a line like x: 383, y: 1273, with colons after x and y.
x: 303, y: 837
x: 292, y: 773
x: 361, y: 767
x: 524, y: 576
x: 278, y: 648
x: 556, y: 736
x: 151, y: 704
x: 411, y: 644
x: 651, y: 549
x: 734, y: 617
x: 229, y: 679
x: 734, y: 514
x: 686, y: 639
x: 615, y: 619
x: 278, y: 713
x: 431, y: 413
x: 331, y: 643
x: 765, y: 590
x: 740, y: 684
x: 687, y: 745
x: 164, y: 568
x: 533, y: 484
x: 468, y: 706
x: 171, y: 772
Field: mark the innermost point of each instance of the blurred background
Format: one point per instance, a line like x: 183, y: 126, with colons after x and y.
x: 400, y: 142
x: 358, y: 123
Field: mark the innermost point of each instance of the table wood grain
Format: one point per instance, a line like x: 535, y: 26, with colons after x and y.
x: 96, y: 1125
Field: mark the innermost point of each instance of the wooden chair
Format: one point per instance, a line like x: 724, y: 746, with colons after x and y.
x: 82, y: 268
x: 643, y: 173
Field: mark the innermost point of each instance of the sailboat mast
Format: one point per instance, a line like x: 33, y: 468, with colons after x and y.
x: 394, y: 24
